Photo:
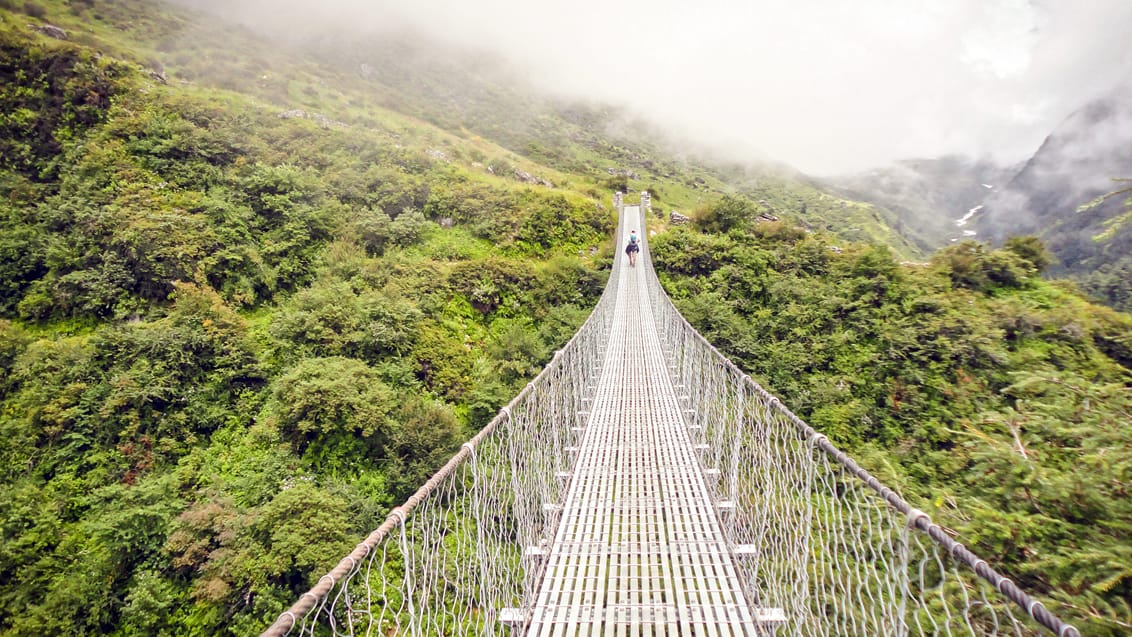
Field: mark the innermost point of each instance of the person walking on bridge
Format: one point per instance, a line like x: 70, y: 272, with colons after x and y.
x: 633, y: 248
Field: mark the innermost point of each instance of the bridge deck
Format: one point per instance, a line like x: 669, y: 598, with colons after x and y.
x: 639, y: 549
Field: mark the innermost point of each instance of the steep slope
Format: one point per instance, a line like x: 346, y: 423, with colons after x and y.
x: 474, y: 96
x: 933, y: 200
x: 1075, y: 164
x: 939, y: 201
x: 233, y: 335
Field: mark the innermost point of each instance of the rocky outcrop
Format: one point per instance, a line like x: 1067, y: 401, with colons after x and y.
x: 677, y: 219
x: 52, y: 31
x: 528, y: 178
x: 157, y: 72
x: 622, y: 172
x: 318, y: 118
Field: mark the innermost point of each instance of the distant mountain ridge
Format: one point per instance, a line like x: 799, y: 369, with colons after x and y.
x: 928, y: 196
x: 1076, y: 163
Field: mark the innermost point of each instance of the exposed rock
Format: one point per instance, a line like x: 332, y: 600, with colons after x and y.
x: 446, y: 222
x: 766, y: 216
x: 52, y: 31
x: 326, y: 122
x: 622, y: 172
x: 677, y: 219
x: 157, y: 71
x: 436, y: 154
x: 528, y: 178
x: 318, y: 118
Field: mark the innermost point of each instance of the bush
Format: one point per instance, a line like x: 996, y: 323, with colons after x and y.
x: 427, y: 434
x: 729, y: 212
x: 1031, y: 251
x: 444, y: 362
x: 690, y: 253
x: 373, y: 229
x: 970, y: 265
x: 408, y: 227
x: 332, y: 320
x: 491, y: 284
x: 34, y: 10
x: 336, y: 412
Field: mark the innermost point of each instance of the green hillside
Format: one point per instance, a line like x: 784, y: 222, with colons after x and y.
x: 469, y: 107
x: 254, y: 290
x: 232, y: 340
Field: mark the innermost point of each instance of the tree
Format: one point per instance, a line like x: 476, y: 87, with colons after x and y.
x: 336, y: 412
x: 1032, y: 251
x: 408, y: 227
x: 731, y: 211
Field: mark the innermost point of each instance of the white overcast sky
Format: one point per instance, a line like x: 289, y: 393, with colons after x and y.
x: 825, y: 85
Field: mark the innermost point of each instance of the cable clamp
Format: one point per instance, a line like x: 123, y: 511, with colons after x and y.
x: 914, y: 515
x: 1002, y: 584
x: 293, y: 620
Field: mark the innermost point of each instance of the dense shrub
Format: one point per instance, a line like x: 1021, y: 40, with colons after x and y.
x: 984, y: 388
x: 230, y: 341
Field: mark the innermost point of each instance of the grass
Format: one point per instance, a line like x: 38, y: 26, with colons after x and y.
x: 474, y: 123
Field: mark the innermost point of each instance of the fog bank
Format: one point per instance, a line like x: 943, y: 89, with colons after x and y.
x: 828, y: 87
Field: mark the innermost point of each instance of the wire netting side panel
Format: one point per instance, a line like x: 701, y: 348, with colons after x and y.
x: 463, y: 550
x: 811, y: 535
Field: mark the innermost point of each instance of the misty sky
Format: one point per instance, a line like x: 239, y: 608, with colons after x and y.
x: 825, y: 85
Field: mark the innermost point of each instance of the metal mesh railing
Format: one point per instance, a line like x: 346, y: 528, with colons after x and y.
x: 814, y: 533
x: 450, y: 560
x: 810, y: 532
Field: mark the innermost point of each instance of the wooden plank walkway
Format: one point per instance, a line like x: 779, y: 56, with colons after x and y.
x: 639, y: 549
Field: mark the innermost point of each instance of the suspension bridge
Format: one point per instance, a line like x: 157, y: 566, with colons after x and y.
x: 642, y: 484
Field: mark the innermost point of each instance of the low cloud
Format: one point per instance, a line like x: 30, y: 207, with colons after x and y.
x: 826, y: 86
